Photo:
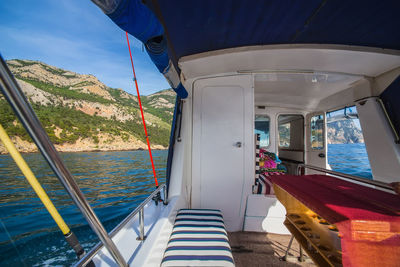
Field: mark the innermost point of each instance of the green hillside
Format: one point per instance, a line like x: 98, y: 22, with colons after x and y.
x: 74, y: 107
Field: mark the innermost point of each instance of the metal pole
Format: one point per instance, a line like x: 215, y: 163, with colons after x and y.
x: 118, y: 228
x: 351, y: 177
x: 141, y: 225
x: 301, y: 258
x: 288, y: 248
x: 165, y: 191
x: 26, y: 115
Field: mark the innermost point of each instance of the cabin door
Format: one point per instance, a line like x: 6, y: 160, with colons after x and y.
x: 316, y: 140
x: 222, y: 146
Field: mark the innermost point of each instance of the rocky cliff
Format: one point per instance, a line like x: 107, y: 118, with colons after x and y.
x: 80, y: 113
x: 344, y: 132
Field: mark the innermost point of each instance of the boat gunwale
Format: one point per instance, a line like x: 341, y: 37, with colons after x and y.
x: 93, y: 252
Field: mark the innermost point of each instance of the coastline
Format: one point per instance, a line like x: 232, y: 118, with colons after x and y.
x: 111, y: 150
x: 85, y: 145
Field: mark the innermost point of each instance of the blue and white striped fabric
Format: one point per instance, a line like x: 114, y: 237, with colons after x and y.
x: 198, y: 238
x: 257, y: 186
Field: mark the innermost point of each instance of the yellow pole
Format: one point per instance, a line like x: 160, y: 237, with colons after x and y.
x: 19, y: 160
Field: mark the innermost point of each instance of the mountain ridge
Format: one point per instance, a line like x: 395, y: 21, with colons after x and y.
x: 99, y: 117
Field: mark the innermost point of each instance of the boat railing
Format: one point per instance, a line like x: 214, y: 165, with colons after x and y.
x: 347, y: 176
x: 139, y: 210
x: 17, y: 100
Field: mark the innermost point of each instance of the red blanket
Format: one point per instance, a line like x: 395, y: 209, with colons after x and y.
x: 368, y: 219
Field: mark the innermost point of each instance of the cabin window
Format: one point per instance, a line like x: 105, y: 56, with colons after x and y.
x: 346, y: 148
x: 290, y: 128
x: 291, y: 139
x: 317, y: 132
x: 284, y: 134
x: 262, y: 128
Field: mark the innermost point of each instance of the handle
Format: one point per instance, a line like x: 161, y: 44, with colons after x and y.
x: 238, y: 144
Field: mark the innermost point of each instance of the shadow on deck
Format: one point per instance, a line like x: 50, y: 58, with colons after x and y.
x: 263, y: 249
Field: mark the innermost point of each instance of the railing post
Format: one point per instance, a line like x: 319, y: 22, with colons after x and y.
x: 301, y: 258
x: 165, y: 201
x: 139, y: 209
x: 141, y: 237
x: 284, y: 258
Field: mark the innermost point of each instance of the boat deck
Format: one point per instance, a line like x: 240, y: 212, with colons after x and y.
x: 264, y: 249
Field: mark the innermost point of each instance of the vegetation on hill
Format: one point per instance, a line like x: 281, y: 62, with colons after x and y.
x: 76, y: 124
x: 73, y: 107
x: 163, y: 110
x: 65, y: 92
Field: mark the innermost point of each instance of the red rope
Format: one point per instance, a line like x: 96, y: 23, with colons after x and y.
x: 141, y: 111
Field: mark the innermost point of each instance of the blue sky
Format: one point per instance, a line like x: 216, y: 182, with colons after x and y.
x: 75, y: 35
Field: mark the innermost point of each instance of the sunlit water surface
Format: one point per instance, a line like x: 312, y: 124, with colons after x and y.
x: 350, y: 158
x: 114, y: 183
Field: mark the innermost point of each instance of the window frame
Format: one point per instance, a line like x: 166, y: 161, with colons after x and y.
x: 277, y: 129
x: 323, y: 132
x: 279, y: 136
x: 269, y: 134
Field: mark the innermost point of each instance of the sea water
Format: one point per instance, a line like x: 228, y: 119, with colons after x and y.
x: 349, y: 158
x: 114, y: 183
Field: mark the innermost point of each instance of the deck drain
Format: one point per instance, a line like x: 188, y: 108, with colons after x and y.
x: 300, y: 222
x: 305, y: 228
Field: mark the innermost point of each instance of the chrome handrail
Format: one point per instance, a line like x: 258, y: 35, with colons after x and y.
x: 349, y: 176
x: 140, y: 209
x: 28, y: 118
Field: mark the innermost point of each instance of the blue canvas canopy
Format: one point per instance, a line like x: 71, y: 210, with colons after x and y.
x: 171, y: 29
x: 200, y: 26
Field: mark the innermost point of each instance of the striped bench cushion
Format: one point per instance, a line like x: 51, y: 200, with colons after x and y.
x: 264, y: 186
x: 198, y: 238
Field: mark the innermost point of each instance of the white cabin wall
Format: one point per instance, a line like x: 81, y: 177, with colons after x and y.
x: 181, y: 172
x: 347, y: 97
x: 383, y: 153
x: 181, y: 159
x: 226, y: 172
x: 381, y: 82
